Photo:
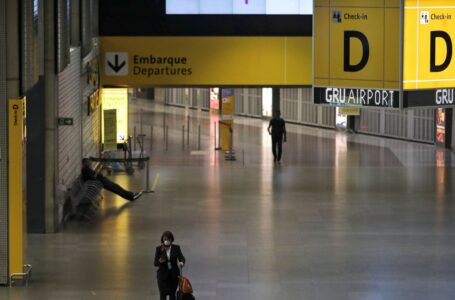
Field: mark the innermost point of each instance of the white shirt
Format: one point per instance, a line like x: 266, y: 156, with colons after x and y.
x: 168, y: 252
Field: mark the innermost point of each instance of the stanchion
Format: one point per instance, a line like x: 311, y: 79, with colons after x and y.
x: 214, y: 136
x: 217, y: 132
x: 183, y: 137
x: 243, y: 158
x: 151, y: 137
x: 140, y: 118
x: 164, y: 127
x: 188, y: 131
x: 134, y: 138
x: 199, y: 137
x: 219, y: 136
x: 147, y: 178
x: 230, y: 154
x: 167, y: 137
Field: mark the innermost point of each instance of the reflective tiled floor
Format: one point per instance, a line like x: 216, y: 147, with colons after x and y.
x: 344, y: 217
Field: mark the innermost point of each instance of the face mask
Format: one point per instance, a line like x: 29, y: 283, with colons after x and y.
x: 167, y: 243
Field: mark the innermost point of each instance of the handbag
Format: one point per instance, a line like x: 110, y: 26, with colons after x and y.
x: 185, y: 285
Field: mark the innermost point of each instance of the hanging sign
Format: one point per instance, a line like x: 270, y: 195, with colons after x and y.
x: 357, y: 53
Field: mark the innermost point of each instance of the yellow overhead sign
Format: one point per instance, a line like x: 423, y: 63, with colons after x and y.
x: 429, y: 36
x: 357, y: 44
x: 357, y: 53
x: 384, y: 53
x: 177, y: 61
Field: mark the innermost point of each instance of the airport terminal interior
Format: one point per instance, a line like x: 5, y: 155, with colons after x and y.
x: 343, y: 216
x: 173, y: 100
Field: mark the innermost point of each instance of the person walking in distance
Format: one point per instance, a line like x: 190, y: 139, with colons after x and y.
x: 169, y: 259
x: 277, y: 129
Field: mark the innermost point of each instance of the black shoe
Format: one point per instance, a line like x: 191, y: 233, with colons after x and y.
x: 137, y: 195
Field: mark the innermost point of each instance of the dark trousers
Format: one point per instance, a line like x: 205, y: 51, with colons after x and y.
x: 277, y: 143
x: 116, y: 189
x: 164, y: 294
x: 167, y: 287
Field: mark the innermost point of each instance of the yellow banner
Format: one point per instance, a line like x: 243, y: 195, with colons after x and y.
x: 429, y: 37
x: 115, y: 99
x: 184, y: 61
x: 357, y: 44
x: 16, y: 138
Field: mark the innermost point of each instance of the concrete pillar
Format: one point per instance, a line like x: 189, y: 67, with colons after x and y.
x: 75, y: 39
x: 12, y: 49
x: 276, y: 99
x: 9, y: 88
x: 50, y: 116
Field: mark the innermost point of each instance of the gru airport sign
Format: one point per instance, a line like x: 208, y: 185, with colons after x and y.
x: 386, y: 54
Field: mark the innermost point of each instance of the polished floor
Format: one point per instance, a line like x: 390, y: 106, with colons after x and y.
x: 344, y: 216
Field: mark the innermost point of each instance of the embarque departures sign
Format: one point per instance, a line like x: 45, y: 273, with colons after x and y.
x: 204, y: 61
x: 385, y: 53
x: 357, y: 53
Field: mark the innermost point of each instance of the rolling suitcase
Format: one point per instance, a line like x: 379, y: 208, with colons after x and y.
x: 182, y: 296
x: 185, y: 291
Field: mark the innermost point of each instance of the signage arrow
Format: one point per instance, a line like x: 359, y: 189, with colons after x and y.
x: 116, y: 67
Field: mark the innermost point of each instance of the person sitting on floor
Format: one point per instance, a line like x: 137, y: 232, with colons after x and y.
x: 89, y: 174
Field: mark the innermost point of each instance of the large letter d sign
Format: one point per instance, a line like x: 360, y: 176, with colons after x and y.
x: 348, y: 66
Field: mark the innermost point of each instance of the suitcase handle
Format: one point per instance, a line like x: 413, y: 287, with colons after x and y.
x: 180, y: 268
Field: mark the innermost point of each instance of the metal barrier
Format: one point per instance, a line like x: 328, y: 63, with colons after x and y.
x: 25, y: 276
x: 145, y: 160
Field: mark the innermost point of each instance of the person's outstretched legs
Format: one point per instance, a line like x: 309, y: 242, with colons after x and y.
x: 117, y: 189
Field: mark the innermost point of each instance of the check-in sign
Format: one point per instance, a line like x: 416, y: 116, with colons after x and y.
x: 357, y: 53
x: 428, y: 64
x: 429, y: 35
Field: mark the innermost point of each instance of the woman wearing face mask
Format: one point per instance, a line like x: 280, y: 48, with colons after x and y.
x: 168, y: 259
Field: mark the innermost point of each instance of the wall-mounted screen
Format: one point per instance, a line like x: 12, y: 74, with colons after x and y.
x: 206, y: 18
x: 239, y: 7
